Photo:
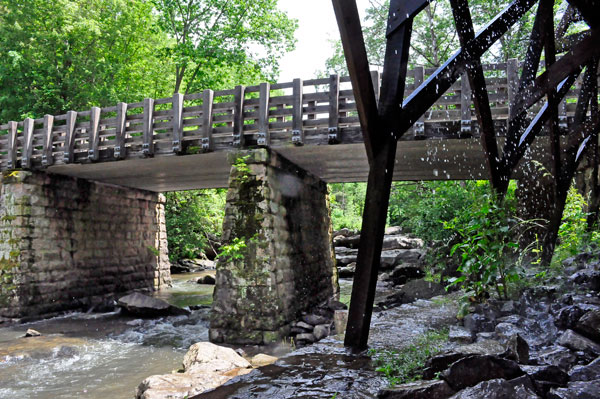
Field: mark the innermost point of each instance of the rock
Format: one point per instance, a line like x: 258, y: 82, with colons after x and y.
x: 577, y: 390
x: 32, y: 333
x: 477, y: 323
x: 588, y: 278
x: 508, y: 308
x: 558, y: 356
x: 393, y: 230
x: 546, y: 373
x: 314, y: 319
x: 177, y: 386
x: 519, y: 388
x: 306, y: 337
x: 208, y: 280
x: 506, y: 330
x: 586, y: 373
x: 351, y: 241
x: 343, y: 233
x: 589, y: 325
x: 145, y: 306
x: 340, y: 319
x: 394, y: 257
x: 568, y: 317
x: 321, y: 331
x: 421, y: 289
x: 517, y: 349
x: 305, y: 326
x: 401, y: 242
x: 418, y: 390
x: 438, y: 363
x: 347, y: 271
x: 576, y: 342
x: 460, y: 334
x: 261, y: 360
x: 334, y: 305
x: 474, y: 369
x: 191, y: 265
x: 405, y: 272
x: 208, y: 357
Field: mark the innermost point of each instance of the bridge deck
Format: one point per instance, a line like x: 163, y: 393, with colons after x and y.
x: 181, y: 142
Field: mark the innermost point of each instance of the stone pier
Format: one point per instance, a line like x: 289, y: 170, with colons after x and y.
x: 278, y: 259
x: 69, y: 243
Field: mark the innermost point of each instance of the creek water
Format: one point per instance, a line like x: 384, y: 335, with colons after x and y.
x: 101, y: 355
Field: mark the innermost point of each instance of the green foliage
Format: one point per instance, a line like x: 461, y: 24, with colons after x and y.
x: 347, y: 204
x: 192, y: 216
x: 234, y: 250
x: 407, y: 364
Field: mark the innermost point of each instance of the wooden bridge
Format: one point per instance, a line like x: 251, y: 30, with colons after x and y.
x: 181, y: 142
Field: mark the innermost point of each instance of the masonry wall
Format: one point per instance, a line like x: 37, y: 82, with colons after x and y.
x: 279, y: 259
x: 69, y: 243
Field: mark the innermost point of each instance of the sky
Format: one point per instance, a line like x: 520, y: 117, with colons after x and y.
x: 317, y: 25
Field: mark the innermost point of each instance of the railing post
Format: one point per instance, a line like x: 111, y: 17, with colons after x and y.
x: 12, y: 144
x: 68, y: 152
x: 27, y: 143
x: 465, y: 107
x: 334, y: 109
x: 264, y: 136
x: 376, y: 79
x: 93, y: 138
x: 177, y: 123
x: 297, y: 126
x: 238, y: 117
x: 419, y: 126
x: 47, y: 158
x: 207, y: 119
x: 120, y: 130
x: 148, y: 128
x: 512, y: 79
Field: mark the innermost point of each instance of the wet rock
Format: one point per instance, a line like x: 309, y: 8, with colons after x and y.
x: 476, y: 322
x: 421, y: 289
x: 205, y: 356
x: 460, y: 334
x: 304, y: 326
x: 334, y: 305
x: 588, y: 278
x: 32, y: 333
x: 418, y: 390
x: 347, y: 271
x: 145, y: 306
x: 345, y: 232
x: 314, y: 319
x: 438, y: 363
x: 586, y: 373
x: 589, y: 325
x: 508, y: 308
x: 394, y: 257
x: 474, y: 369
x: 520, y: 388
x: 401, y: 242
x: 321, y: 331
x: 262, y: 360
x: 208, y: 279
x: 405, y: 272
x: 191, y: 265
x: 558, y: 356
x: 546, y: 373
x: 506, y: 330
x: 393, y: 230
x: 576, y: 342
x: 577, y: 390
x: 351, y: 241
x: 306, y: 337
x: 176, y: 386
x: 517, y: 349
x: 568, y: 317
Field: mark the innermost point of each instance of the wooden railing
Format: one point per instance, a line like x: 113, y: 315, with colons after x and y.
x: 310, y: 112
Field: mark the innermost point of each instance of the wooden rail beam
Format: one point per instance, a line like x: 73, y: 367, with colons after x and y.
x: 297, y: 124
x: 12, y: 144
x: 47, y: 157
x: 148, y: 128
x: 121, y: 128
x: 238, y: 117
x: 207, y: 120
x: 27, y: 143
x: 93, y: 137
x: 177, y: 123
x: 68, y: 154
x: 334, y: 109
x: 264, y: 133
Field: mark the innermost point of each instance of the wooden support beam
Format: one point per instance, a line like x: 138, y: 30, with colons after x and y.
x: 177, y: 136
x: 353, y: 42
x: 93, y: 137
x: 424, y: 97
x: 419, y: 126
x: 12, y: 144
x: 27, y: 143
x: 148, y: 128
x: 379, y: 183
x: 334, y: 109
x: 238, y: 117
x: 120, y: 131
x: 297, y: 123
x: 207, y: 120
x: 465, y: 107
x: 68, y: 151
x: 47, y: 157
x: 264, y: 135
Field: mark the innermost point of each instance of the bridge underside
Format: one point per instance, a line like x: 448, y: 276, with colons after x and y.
x: 453, y: 159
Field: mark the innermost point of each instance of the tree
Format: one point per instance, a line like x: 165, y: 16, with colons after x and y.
x: 72, y: 54
x: 210, y: 34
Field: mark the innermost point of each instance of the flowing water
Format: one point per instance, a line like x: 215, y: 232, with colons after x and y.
x: 100, y: 356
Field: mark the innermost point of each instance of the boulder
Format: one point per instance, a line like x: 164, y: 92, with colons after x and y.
x: 262, y: 360
x: 314, y: 319
x: 547, y: 373
x: 401, y: 242
x: 393, y: 230
x: 576, y: 342
x: 476, y: 323
x: 177, y: 386
x: 321, y: 331
x: 340, y: 319
x: 208, y: 357
x: 405, y: 272
x: 306, y: 337
x: 586, y: 373
x: 474, y: 369
x: 577, y: 390
x: 418, y: 390
x: 351, y: 241
x: 334, y: 305
x: 345, y: 232
x: 520, y: 388
x: 588, y: 278
x: 460, y: 334
x: 145, y: 306
x: 517, y: 349
x: 568, y: 317
x: 558, y: 356
x: 208, y: 280
x: 394, y: 257
x: 32, y: 333
x: 589, y: 325
x: 347, y: 271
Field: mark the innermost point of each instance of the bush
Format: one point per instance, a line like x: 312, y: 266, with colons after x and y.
x: 191, y: 217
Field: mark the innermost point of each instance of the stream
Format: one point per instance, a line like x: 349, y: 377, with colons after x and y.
x: 101, y: 355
